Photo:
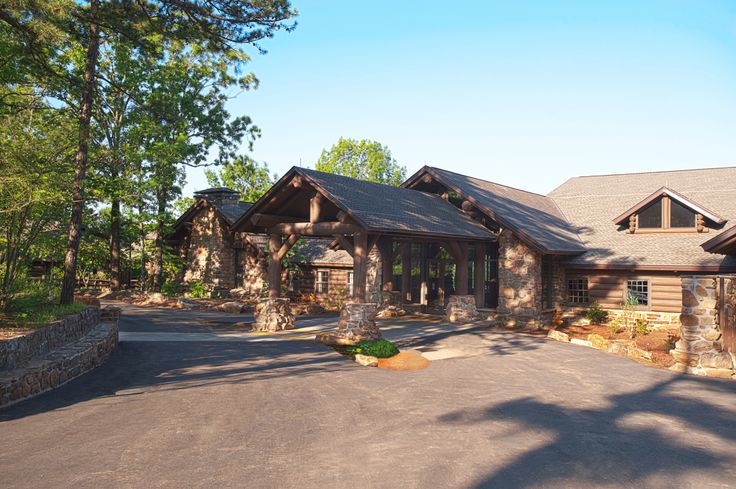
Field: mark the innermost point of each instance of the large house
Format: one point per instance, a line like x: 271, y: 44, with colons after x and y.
x: 602, y: 239
x: 593, y: 239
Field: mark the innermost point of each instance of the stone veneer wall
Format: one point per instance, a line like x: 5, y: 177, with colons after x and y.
x: 17, y: 351
x: 519, y: 278
x: 700, y: 350
x: 210, y: 254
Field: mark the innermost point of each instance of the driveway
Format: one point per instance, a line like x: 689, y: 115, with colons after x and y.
x: 189, y: 401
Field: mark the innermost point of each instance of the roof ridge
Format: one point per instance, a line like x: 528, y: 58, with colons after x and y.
x: 710, y: 168
x: 489, y: 181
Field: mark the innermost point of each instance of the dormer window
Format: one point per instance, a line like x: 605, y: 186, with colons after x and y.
x: 668, y: 211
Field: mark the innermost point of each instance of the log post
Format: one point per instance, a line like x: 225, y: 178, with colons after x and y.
x: 385, y: 248
x: 315, y: 208
x: 406, y: 274
x: 423, y: 275
x: 480, y: 275
x: 360, y: 258
x: 274, y: 266
x: 461, y: 269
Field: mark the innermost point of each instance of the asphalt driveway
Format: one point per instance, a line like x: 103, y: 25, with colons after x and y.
x: 188, y: 400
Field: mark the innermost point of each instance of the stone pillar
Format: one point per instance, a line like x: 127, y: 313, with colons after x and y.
x: 700, y: 350
x: 273, y: 315
x: 461, y: 309
x: 358, y: 322
x: 519, y: 277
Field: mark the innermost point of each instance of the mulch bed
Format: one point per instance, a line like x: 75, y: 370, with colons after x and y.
x: 404, y: 360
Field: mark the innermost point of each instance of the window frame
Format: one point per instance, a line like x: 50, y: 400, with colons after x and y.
x: 318, y: 283
x: 666, y: 209
x: 644, y: 280
x: 583, y: 293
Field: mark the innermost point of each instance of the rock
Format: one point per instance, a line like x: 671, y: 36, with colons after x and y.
x: 366, y: 360
x: 716, y: 360
x: 558, y: 336
x: 332, y: 339
x: 461, y: 309
x: 358, y: 320
x: 685, y: 358
x: 187, y: 304
x: 156, y: 298
x: 231, y: 307
x: 721, y: 373
x: 578, y: 341
x: 314, y: 310
x: 273, y: 315
x: 598, y: 341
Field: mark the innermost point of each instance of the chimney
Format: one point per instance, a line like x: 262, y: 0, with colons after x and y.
x: 219, y: 196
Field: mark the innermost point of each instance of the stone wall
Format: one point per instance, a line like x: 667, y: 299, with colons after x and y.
x: 700, y: 350
x: 519, y: 278
x: 74, y: 345
x: 17, y: 351
x: 210, y: 254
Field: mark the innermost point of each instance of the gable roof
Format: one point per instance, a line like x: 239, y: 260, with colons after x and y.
x: 317, y: 252
x: 674, y: 195
x: 534, y: 217
x: 381, y: 208
x: 229, y: 212
x: 590, y: 203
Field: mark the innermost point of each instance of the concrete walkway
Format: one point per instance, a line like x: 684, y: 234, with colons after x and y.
x: 188, y: 400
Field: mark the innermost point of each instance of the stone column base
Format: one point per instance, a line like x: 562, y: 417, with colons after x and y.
x: 461, y: 309
x: 273, y: 315
x: 358, y: 322
x: 390, y: 305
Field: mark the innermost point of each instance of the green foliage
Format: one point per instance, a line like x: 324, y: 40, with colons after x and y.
x: 364, y: 159
x: 596, y: 314
x: 33, y: 303
x: 642, y: 326
x: 198, y: 290
x: 614, y: 326
x: 378, y: 348
x: 242, y: 173
x: 628, y: 315
x: 171, y: 288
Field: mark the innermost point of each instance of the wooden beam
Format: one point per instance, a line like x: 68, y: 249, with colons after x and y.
x: 461, y: 269
x: 268, y: 220
x: 316, y: 229
x: 406, y: 273
x: 372, y: 242
x: 315, y: 207
x: 360, y: 259
x: 287, y: 246
x: 345, y: 244
x: 274, y: 266
x: 480, y: 275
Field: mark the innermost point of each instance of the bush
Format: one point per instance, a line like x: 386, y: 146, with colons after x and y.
x: 198, y: 290
x: 171, y: 288
x: 642, y: 327
x: 614, y: 326
x: 595, y: 314
x: 378, y: 348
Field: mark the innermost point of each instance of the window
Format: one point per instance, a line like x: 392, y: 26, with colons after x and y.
x: 681, y: 216
x: 651, y: 217
x: 577, y: 290
x: 638, y: 289
x: 350, y: 283
x: 668, y: 214
x: 321, y: 286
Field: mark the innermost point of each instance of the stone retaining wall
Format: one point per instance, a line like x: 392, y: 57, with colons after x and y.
x: 17, y: 351
x: 60, y: 365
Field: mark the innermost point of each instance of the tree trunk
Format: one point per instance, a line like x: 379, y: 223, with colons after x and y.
x: 158, y: 268
x: 80, y: 163
x: 115, y: 244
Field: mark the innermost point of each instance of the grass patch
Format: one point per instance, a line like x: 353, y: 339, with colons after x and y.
x: 34, y: 305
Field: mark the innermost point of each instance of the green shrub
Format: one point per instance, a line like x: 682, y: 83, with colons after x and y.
x: 171, y: 288
x: 642, y: 327
x: 377, y: 348
x: 198, y: 290
x: 595, y: 314
x: 614, y: 326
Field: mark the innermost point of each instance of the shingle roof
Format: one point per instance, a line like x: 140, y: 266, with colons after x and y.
x: 384, y: 208
x: 591, y: 203
x: 533, y: 216
x: 317, y: 252
x: 232, y: 212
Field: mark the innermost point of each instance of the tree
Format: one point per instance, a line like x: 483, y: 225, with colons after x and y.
x: 364, y: 159
x: 51, y: 35
x: 242, y: 173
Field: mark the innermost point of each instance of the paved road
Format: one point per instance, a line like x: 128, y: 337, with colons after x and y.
x: 504, y: 411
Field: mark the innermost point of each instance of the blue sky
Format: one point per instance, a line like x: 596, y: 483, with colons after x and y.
x: 524, y: 93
